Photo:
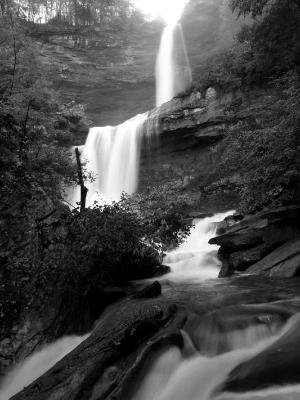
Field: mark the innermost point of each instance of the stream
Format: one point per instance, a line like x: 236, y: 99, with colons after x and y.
x: 230, y: 320
x: 222, y: 332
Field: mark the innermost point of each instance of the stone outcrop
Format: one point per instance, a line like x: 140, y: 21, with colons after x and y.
x: 267, y: 243
x: 201, y: 116
x: 150, y: 291
x: 182, y: 135
x: 282, y: 262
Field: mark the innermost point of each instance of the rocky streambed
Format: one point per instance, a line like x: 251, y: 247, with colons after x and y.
x: 243, y: 328
x: 113, y: 361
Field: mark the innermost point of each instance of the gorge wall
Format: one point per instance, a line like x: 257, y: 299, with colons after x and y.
x: 111, y: 68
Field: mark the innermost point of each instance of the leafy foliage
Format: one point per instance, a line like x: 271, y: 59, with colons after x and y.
x: 264, y: 49
x: 261, y: 152
x: 255, y: 7
x: 162, y: 211
x: 73, y: 12
x: 264, y: 149
x: 110, y: 239
x: 34, y: 165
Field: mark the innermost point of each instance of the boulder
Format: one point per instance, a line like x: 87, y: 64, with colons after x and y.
x: 283, y: 262
x: 227, y: 223
x: 240, y: 260
x: 152, y: 290
x: 160, y: 270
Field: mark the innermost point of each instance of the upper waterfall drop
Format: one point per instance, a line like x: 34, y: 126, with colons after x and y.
x: 173, y: 71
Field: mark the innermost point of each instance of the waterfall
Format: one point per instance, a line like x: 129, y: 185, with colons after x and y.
x: 173, y: 72
x: 112, y: 156
x: 112, y: 153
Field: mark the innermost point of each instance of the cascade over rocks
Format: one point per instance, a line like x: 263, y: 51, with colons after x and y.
x: 104, y: 364
x: 205, y: 332
x: 266, y: 243
x: 277, y: 365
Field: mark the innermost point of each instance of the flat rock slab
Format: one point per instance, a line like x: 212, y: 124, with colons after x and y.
x: 283, y: 262
x: 257, y: 244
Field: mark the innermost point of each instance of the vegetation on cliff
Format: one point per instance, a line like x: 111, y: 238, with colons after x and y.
x: 262, y: 149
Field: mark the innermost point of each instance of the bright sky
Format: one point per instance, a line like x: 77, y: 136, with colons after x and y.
x: 169, y: 10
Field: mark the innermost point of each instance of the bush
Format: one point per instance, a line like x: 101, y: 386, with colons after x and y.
x: 265, y: 49
x: 162, y: 211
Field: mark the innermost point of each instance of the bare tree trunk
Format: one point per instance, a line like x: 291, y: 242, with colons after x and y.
x: 83, y: 189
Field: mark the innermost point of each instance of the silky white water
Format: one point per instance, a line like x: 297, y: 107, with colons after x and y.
x: 112, y: 155
x: 36, y: 365
x: 199, y: 377
x: 173, y: 71
x: 195, y: 259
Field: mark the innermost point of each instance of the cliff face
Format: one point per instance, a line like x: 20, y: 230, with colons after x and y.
x: 108, y: 69
x: 111, y: 68
x: 182, y: 151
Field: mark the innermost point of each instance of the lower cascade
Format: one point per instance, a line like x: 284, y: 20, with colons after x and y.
x: 199, y: 377
x: 195, y: 259
x: 112, y: 155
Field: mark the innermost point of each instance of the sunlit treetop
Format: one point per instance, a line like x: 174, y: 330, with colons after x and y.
x: 169, y: 10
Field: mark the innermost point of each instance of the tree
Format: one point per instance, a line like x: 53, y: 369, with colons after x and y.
x: 257, y: 7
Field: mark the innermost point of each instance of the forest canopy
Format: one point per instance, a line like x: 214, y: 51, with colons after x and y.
x: 71, y: 12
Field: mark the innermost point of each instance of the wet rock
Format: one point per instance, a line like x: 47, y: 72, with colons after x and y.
x: 152, y: 290
x: 199, y: 214
x: 283, y: 262
x: 278, y: 364
x: 251, y: 240
x: 227, y: 223
x: 111, y: 355
x: 160, y: 270
x: 240, y: 260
